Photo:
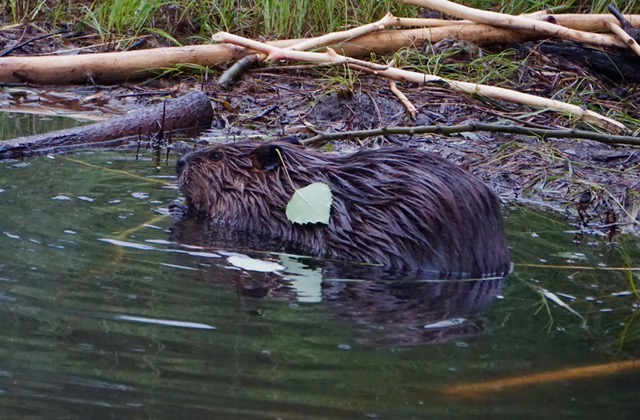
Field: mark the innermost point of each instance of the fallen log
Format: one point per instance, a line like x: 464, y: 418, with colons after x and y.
x: 117, y: 67
x: 188, y: 112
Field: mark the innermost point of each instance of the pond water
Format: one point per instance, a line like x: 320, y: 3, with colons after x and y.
x: 14, y: 125
x: 105, y: 313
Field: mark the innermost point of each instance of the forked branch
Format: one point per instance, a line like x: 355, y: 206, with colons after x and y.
x: 330, y: 56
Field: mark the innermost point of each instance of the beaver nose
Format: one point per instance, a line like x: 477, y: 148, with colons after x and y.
x: 181, y: 163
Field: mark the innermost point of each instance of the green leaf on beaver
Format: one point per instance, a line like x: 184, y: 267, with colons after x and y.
x: 311, y: 204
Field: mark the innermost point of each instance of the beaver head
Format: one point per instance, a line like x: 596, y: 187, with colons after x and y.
x: 404, y: 209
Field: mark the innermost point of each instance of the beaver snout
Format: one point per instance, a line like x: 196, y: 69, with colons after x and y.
x: 181, y: 163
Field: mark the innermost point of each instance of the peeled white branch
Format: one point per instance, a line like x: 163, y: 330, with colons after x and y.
x: 338, y: 37
x: 241, y: 66
x: 580, y: 22
x: 628, y: 40
x: 411, y: 109
x: 130, y: 65
x: 332, y: 57
x: 276, y: 54
x: 429, y: 23
x: 517, y: 22
x: 508, y: 96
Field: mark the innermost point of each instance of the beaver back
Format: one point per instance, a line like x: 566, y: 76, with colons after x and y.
x: 405, y: 209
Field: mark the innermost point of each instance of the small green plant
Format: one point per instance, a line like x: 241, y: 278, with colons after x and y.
x: 117, y: 17
x: 342, y: 81
x: 630, y: 274
x: 464, y: 62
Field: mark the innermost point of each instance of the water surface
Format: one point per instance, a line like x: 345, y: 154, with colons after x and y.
x: 105, y: 313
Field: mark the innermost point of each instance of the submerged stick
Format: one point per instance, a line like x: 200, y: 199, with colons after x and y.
x: 477, y: 389
x: 190, y: 111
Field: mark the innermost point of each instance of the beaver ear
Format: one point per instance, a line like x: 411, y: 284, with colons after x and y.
x: 267, y: 157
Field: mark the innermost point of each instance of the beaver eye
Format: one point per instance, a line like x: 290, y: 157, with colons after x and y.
x: 215, y: 155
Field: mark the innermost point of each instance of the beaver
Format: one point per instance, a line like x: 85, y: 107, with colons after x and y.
x: 404, y: 209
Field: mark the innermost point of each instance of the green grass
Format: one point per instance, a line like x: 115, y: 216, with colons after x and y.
x: 122, y: 16
x: 464, y: 62
x: 189, y: 20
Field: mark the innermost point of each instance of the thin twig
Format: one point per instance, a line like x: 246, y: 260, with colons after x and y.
x: 624, y: 23
x: 612, y: 140
x: 29, y: 41
x: 411, y: 109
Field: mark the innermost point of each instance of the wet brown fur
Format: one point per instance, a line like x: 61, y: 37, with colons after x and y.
x: 403, y: 208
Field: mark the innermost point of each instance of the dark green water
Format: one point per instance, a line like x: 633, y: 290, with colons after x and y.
x: 14, y: 125
x: 105, y: 315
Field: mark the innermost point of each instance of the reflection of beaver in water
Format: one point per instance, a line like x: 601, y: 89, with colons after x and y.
x: 405, y: 209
